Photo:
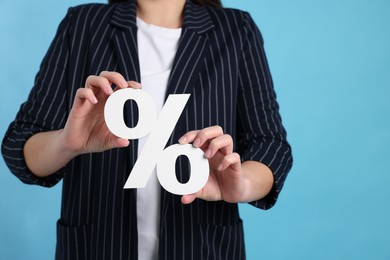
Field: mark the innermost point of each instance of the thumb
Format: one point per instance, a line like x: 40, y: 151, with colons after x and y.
x: 187, y: 199
x: 117, y: 142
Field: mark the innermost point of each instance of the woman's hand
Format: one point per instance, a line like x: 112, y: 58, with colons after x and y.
x: 229, y: 180
x: 85, y: 130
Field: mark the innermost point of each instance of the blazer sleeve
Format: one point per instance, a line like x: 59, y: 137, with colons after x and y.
x: 261, y: 135
x: 44, y: 110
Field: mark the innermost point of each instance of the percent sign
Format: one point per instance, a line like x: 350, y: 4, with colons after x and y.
x: 159, y: 130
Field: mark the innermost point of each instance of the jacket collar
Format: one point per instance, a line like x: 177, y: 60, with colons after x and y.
x: 196, y: 18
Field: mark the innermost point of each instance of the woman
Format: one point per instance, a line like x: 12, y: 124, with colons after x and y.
x: 169, y: 46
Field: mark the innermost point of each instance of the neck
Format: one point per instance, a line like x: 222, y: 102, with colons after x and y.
x: 164, y: 13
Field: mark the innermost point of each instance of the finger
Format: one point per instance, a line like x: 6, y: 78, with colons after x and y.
x: 97, y: 82
x: 131, y: 84
x: 115, y: 78
x: 206, y: 134
x: 232, y: 160
x: 118, y: 143
x: 189, y: 198
x: 223, y: 143
x: 191, y: 136
x: 188, y: 137
x: 86, y: 94
x: 134, y: 84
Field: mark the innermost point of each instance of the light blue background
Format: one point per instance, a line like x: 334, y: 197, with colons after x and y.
x: 331, y: 65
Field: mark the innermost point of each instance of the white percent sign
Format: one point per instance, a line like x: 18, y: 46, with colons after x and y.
x: 159, y: 130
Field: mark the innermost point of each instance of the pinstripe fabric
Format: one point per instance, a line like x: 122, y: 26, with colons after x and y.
x: 221, y: 62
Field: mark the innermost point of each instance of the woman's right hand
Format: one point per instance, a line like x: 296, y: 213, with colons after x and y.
x: 85, y: 130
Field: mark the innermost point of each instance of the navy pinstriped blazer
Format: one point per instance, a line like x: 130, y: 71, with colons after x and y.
x: 221, y: 62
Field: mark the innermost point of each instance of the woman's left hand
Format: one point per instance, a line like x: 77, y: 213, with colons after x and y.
x: 226, y: 180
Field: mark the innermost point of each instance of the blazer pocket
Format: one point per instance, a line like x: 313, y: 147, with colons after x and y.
x: 222, y: 242
x: 73, y: 242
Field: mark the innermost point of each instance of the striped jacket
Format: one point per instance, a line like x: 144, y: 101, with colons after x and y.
x: 221, y: 62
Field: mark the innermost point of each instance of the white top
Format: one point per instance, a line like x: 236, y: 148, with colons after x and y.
x: 157, y: 47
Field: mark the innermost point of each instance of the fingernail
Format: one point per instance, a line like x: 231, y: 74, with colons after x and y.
x: 124, y: 83
x: 182, y: 139
x: 134, y: 85
x: 196, y: 142
x: 94, y: 100
x: 220, y: 167
x: 208, y: 153
x: 109, y: 90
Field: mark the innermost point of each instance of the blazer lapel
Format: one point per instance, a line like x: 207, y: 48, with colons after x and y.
x: 125, y: 40
x: 192, y: 48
